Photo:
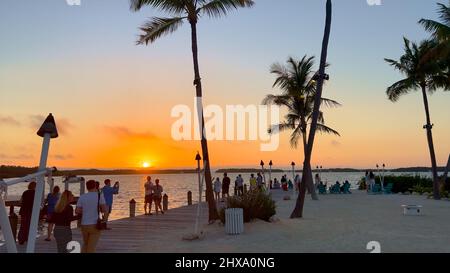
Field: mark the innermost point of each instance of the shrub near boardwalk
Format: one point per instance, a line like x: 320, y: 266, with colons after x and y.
x: 256, y: 205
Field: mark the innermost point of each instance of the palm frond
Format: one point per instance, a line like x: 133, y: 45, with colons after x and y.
x: 325, y: 129
x: 395, y: 91
x: 218, y: 8
x: 330, y: 103
x: 176, y: 7
x: 157, y: 27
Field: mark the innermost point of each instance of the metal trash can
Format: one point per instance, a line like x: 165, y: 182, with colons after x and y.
x: 234, y: 221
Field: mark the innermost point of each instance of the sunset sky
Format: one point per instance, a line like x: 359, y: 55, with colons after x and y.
x: 112, y: 100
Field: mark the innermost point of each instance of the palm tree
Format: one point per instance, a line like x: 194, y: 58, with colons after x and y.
x: 425, y: 76
x: 440, y: 33
x: 298, y: 85
x: 190, y: 10
x: 321, y: 77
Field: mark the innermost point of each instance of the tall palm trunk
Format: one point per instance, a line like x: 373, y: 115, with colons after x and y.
x: 429, y: 127
x: 307, y: 179
x: 310, y: 186
x: 213, y: 215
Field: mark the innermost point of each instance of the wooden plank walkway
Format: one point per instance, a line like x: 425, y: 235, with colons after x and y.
x: 134, y: 234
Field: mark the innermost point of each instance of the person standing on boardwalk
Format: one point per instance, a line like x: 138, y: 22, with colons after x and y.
x: 226, y: 186
x: 62, y: 218
x: 217, y: 189
x: 26, y: 209
x: 89, y: 206
x: 157, y: 196
x: 252, y: 182
x: 148, y: 186
x: 52, y: 199
x: 240, y: 185
x: 259, y: 181
x: 108, y: 193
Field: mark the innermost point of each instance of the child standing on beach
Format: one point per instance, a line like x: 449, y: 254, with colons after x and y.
x: 252, y: 182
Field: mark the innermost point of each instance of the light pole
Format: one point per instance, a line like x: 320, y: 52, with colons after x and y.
x: 293, y: 171
x: 198, y: 158
x: 382, y: 183
x: 270, y: 170
x: 262, y: 168
x: 47, y: 131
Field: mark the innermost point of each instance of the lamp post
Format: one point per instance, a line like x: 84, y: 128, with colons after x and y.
x: 270, y: 170
x: 293, y: 171
x: 198, y: 158
x: 382, y: 183
x: 262, y: 168
x: 47, y: 131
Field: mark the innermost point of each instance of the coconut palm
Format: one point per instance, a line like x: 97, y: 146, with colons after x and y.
x: 190, y: 11
x: 424, y: 76
x: 297, y: 81
x: 321, y: 77
x: 440, y: 33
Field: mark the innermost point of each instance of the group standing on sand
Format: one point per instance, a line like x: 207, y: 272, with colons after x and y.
x: 153, y: 194
x: 92, y: 208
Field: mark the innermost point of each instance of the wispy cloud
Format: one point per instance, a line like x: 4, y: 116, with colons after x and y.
x: 63, y: 125
x: 16, y: 157
x: 124, y: 132
x: 62, y: 157
x: 335, y: 143
x: 7, y: 120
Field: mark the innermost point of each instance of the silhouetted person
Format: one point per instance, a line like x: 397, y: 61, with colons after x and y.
x: 226, y: 185
x: 26, y: 209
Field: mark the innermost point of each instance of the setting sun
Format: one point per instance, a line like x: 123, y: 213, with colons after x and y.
x: 146, y: 165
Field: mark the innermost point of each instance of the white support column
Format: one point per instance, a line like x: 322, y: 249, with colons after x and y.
x: 38, y: 195
x: 6, y: 228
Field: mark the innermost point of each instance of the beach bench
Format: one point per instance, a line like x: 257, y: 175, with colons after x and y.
x: 412, y: 210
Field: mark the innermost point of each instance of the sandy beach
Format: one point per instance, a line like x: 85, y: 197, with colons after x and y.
x: 336, y: 223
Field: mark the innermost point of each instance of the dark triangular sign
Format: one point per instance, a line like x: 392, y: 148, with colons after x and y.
x: 48, y: 127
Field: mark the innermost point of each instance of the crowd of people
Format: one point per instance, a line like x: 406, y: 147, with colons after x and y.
x: 92, y: 209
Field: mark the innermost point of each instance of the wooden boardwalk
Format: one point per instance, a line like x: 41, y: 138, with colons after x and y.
x: 134, y: 234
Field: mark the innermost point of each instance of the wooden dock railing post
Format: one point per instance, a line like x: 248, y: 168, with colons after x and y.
x: 189, y: 198
x: 132, y: 208
x: 165, y: 202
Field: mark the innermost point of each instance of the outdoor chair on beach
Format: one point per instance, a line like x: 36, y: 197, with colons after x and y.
x: 388, y: 188
x: 322, y: 189
x: 376, y: 189
x: 346, y: 189
x: 335, y: 189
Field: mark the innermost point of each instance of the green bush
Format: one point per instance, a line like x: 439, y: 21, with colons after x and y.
x: 256, y: 205
x: 405, y: 183
x: 421, y: 189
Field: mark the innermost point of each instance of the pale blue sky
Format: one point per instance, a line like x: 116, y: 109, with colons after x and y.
x: 75, y: 60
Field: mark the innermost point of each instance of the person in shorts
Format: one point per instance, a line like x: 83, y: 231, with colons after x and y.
x: 148, y: 186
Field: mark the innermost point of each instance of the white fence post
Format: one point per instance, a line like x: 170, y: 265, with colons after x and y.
x: 6, y: 228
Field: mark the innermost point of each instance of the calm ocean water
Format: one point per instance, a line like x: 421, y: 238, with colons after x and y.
x: 176, y: 187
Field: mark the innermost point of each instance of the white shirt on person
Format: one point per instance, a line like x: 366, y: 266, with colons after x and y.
x: 217, y: 186
x: 89, y: 203
x: 148, y: 188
